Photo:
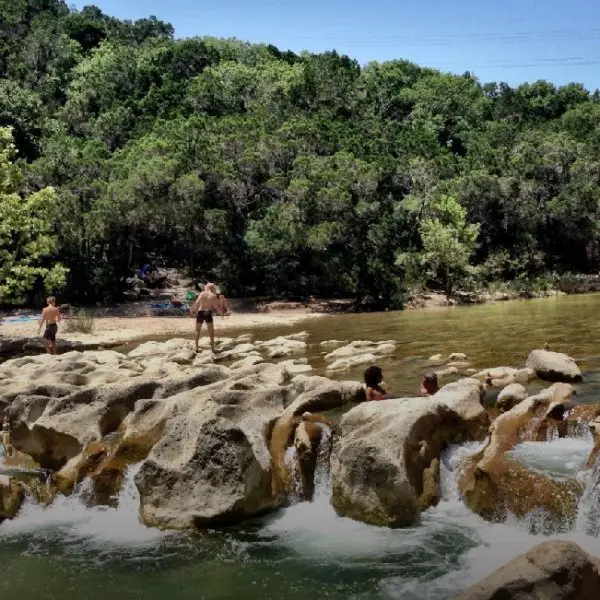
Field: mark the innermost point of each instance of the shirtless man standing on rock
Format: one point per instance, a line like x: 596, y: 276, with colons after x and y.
x: 50, y: 316
x: 206, y: 303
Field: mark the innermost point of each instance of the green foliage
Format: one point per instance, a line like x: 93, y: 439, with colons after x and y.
x: 283, y: 174
x: 448, y: 242
x: 27, y: 243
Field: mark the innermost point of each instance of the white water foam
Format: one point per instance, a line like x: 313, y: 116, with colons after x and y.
x: 558, y: 458
x: 99, y: 524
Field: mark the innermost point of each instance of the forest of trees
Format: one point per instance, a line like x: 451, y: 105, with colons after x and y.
x: 276, y: 173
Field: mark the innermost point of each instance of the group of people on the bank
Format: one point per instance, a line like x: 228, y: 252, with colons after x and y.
x: 211, y: 301
x: 208, y: 302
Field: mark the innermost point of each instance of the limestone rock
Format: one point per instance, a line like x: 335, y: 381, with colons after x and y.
x: 554, y: 570
x: 361, y: 347
x: 378, y: 463
x: 332, y: 344
x: 212, y: 466
x: 385, y: 465
x: 492, y: 483
x: 500, y: 377
x: 342, y: 364
x: 447, y: 372
x: 11, y: 497
x: 510, y: 396
x: 458, y: 356
x: 313, y: 394
x: 553, y: 366
x: 463, y: 399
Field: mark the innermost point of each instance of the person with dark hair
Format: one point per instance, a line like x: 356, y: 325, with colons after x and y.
x: 429, y: 384
x: 373, y: 379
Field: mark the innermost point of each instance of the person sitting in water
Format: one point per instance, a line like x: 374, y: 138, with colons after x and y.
x: 373, y: 379
x: 429, y: 384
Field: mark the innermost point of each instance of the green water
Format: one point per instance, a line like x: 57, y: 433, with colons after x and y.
x: 72, y: 551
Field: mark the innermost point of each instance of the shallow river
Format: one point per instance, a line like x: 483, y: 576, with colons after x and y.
x: 72, y: 551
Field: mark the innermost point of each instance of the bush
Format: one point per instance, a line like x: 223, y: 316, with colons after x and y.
x: 80, y: 322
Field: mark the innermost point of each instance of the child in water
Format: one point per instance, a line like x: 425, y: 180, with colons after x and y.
x: 373, y: 379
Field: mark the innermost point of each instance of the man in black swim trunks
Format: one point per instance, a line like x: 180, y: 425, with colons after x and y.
x: 203, y: 308
x: 50, y: 316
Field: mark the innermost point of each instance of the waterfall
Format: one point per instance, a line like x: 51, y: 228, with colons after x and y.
x: 451, y: 464
x: 588, y: 514
x: 73, y: 517
x: 322, y: 474
x: 292, y: 465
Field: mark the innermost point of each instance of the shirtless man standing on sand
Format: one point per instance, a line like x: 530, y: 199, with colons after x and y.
x: 50, y: 316
x: 203, y: 308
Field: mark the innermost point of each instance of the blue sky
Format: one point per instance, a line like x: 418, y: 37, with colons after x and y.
x: 498, y: 40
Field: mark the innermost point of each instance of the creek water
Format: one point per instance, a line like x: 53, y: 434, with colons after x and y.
x: 72, y: 550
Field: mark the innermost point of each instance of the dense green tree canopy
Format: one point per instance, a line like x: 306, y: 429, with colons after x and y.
x: 286, y: 174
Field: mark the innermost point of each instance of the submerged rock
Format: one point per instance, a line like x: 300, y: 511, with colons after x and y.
x: 500, y: 377
x: 510, y: 396
x: 553, y: 366
x: 353, y: 350
x: 552, y: 570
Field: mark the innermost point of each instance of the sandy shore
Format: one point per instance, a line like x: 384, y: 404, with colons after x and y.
x: 116, y: 330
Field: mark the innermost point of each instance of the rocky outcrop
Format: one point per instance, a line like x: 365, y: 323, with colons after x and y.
x: 468, y: 418
x: 595, y: 429
x: 310, y: 434
x: 33, y: 345
x: 11, y: 497
x: 493, y: 483
x: 378, y: 462
x: 553, y: 366
x: 552, y: 570
x: 212, y: 465
x: 312, y: 394
x: 510, y: 396
x: 384, y: 466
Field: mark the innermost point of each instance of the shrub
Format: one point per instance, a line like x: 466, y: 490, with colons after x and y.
x: 80, y: 322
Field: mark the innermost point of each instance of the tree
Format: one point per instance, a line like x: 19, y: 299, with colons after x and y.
x: 448, y: 242
x: 27, y: 240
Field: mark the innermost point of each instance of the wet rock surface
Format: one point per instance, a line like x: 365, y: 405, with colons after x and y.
x: 554, y: 570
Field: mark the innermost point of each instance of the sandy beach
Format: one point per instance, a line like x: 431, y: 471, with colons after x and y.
x: 112, y: 330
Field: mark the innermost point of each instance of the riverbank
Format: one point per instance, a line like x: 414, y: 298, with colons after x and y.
x: 133, y: 322
x: 113, y: 330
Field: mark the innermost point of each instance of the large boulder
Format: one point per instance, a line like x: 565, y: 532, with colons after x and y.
x: 54, y: 431
x: 554, y: 570
x: 385, y: 465
x: 378, y: 463
x: 212, y: 466
x: 553, y: 366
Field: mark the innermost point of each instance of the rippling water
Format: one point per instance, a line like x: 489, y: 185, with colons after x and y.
x: 72, y: 551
